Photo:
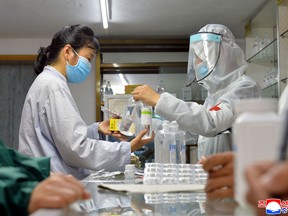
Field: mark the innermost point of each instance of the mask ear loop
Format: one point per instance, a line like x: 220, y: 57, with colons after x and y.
x: 67, y: 63
x: 75, y: 52
x: 219, y: 53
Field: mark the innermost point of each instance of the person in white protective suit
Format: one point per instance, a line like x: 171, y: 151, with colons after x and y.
x: 218, y: 64
x: 51, y: 124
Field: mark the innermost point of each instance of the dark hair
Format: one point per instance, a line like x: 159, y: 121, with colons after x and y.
x: 78, y: 36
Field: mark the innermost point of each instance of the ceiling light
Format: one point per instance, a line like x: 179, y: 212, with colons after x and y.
x: 124, y: 79
x: 104, y: 12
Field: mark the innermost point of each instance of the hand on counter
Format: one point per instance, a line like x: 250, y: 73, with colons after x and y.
x: 56, y: 191
x: 266, y: 180
x: 146, y: 94
x: 220, y: 183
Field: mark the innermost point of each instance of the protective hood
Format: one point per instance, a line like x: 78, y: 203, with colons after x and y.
x: 222, y: 70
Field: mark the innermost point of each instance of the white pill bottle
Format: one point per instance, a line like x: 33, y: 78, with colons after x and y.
x: 257, y: 132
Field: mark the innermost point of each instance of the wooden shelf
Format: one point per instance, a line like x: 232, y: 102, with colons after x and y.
x: 144, y: 45
x: 154, y: 67
x: 18, y: 57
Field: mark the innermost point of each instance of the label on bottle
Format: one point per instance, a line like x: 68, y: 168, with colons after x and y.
x: 146, y: 116
x: 115, y: 124
x: 172, y: 148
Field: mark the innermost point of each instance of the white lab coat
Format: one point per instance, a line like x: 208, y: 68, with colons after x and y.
x: 51, y: 126
x: 227, y: 83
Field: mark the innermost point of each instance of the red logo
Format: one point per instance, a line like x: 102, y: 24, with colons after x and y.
x: 261, y: 203
x: 215, y: 108
x: 273, y: 206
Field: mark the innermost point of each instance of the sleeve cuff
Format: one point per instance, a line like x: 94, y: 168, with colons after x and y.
x: 92, y: 131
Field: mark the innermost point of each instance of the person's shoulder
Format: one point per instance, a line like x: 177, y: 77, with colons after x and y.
x: 52, y: 81
x: 244, y: 81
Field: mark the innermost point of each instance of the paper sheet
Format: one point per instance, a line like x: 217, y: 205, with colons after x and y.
x: 143, y: 188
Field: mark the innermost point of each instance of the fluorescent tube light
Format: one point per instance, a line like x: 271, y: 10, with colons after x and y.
x: 123, y: 79
x: 104, y: 12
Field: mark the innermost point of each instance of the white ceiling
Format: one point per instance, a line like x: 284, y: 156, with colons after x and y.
x: 129, y: 18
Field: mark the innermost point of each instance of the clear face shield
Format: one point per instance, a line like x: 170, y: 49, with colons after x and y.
x: 204, y: 53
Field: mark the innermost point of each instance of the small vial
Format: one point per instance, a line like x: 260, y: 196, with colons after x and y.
x: 129, y: 172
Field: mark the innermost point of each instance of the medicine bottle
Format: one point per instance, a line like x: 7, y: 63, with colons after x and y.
x: 160, y: 143
x: 257, y: 132
x: 179, y: 140
x: 129, y: 172
x: 126, y: 125
x: 146, y: 120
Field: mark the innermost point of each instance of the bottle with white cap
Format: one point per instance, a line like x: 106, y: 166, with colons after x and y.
x: 162, y: 140
x: 180, y: 143
x: 146, y: 120
x: 126, y: 125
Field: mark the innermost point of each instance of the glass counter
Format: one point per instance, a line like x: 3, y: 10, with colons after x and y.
x: 107, y: 202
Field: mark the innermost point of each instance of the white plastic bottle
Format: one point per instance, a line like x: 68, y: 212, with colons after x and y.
x: 257, y: 132
x: 256, y: 46
x: 159, y: 143
x: 182, y: 155
x: 102, y: 90
x: 172, y: 151
x: 267, y: 49
x: 160, y: 88
x: 126, y: 125
x: 146, y: 120
x: 179, y: 137
x: 169, y: 144
x: 129, y: 172
x: 108, y: 89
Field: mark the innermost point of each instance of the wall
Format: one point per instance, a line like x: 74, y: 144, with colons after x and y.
x: 173, y: 78
x: 84, y: 93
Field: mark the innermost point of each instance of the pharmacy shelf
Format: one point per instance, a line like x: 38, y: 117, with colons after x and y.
x: 267, y: 54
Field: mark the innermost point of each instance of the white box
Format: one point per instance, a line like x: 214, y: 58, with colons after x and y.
x: 186, y: 94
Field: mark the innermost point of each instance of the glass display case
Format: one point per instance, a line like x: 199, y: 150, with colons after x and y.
x: 264, y: 62
x: 262, y: 49
x: 267, y: 48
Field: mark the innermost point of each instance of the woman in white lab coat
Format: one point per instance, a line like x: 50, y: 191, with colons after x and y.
x: 51, y: 124
x: 218, y: 64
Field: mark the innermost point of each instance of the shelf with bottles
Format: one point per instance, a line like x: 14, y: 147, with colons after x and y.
x: 270, y: 80
x: 270, y: 91
x: 267, y: 53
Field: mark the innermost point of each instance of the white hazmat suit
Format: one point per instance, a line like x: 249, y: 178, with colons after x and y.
x: 222, y: 73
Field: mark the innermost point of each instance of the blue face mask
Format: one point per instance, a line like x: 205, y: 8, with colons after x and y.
x: 201, y: 70
x: 79, y: 72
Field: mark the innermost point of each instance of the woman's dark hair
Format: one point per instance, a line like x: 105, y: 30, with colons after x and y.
x: 78, y: 36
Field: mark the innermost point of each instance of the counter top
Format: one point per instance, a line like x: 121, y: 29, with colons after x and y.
x: 107, y: 202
